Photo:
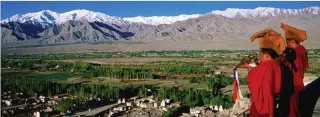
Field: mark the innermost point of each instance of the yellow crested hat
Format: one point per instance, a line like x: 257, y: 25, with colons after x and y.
x: 293, y: 33
x: 269, y: 38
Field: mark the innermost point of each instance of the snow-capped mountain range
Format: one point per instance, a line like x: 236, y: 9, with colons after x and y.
x: 47, y: 16
x: 84, y: 26
x: 265, y: 12
x: 156, y: 20
x: 51, y: 17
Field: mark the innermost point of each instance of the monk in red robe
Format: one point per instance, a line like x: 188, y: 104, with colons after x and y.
x: 264, y: 83
x: 301, y: 64
x: 264, y: 80
x: 293, y: 38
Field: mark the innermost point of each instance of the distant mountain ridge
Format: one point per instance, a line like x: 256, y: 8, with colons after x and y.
x: 84, y: 26
x: 47, y: 16
x: 266, y: 12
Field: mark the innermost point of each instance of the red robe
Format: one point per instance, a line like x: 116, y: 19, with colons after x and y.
x: 302, y: 64
x: 264, y: 83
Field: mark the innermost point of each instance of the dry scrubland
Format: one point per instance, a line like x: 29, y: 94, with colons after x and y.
x: 150, y: 45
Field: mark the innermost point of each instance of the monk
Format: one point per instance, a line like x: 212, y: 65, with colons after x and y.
x: 264, y: 83
x: 293, y: 38
x: 301, y: 64
x: 287, y: 86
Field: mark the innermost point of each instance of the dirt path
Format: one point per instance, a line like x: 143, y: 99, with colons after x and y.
x: 233, y: 44
x: 132, y: 60
x: 95, y: 111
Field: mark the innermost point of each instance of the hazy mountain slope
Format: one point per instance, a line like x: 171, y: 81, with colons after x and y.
x: 213, y: 27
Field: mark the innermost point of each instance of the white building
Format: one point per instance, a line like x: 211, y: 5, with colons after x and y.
x: 120, y: 108
x: 168, y: 101
x: 8, y: 103
x: 211, y: 107
x: 119, y: 101
x: 128, y: 103
x: 36, y: 114
x: 196, y: 111
x: 164, y: 109
x: 138, y: 103
x: 216, y: 108
x: 155, y: 104
x: 220, y: 108
x: 143, y: 105
x: 217, y: 73
x: 163, y: 103
x: 42, y: 97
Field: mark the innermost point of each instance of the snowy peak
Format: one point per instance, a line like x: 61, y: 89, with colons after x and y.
x: 47, y: 16
x: 156, y: 20
x: 90, y: 16
x: 265, y: 12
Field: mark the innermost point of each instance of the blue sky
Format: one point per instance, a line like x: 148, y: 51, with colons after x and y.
x: 142, y: 8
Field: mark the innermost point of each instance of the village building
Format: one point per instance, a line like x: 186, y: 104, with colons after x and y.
x: 48, y: 109
x: 196, y: 111
x: 216, y: 108
x: 220, y: 108
x: 155, y: 104
x: 143, y: 105
x: 36, y: 114
x: 42, y: 98
x: 163, y: 103
x: 120, y: 108
x: 51, y: 102
x: 119, y: 101
x: 129, y: 104
x: 204, y: 110
x: 7, y: 102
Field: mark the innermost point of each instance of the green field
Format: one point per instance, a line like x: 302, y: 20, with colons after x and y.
x: 173, y: 66
x: 54, y: 76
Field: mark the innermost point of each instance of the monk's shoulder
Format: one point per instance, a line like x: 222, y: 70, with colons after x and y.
x: 259, y: 69
x: 269, y: 66
x: 300, y: 49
